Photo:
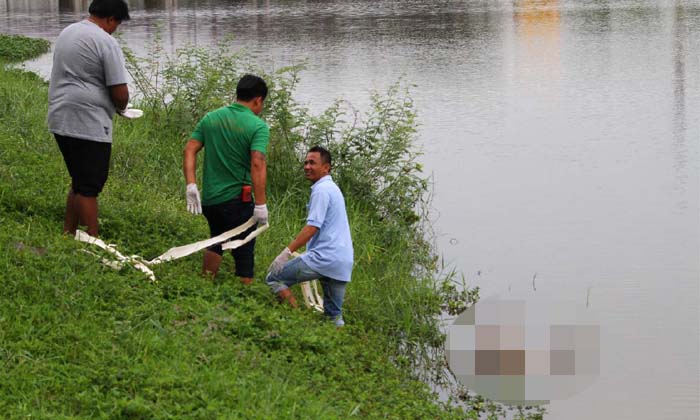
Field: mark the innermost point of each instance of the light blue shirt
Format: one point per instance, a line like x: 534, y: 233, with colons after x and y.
x: 329, y: 252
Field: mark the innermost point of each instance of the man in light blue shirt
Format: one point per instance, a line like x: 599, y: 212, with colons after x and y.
x: 329, y: 254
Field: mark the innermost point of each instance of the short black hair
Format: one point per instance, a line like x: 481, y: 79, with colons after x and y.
x: 325, y: 154
x: 250, y: 87
x: 117, y: 9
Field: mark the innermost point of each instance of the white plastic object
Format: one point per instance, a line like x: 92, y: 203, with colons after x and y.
x: 240, y: 242
x: 135, y: 260
x: 309, y: 290
x: 132, y: 113
x: 173, y: 253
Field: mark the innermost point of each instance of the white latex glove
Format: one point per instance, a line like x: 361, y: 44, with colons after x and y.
x: 194, y: 204
x: 130, y: 113
x: 260, y: 213
x: 279, y: 262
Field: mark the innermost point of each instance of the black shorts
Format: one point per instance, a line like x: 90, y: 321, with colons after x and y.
x: 226, y: 216
x: 87, y: 162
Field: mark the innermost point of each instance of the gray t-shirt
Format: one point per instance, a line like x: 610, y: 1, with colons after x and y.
x: 86, y: 60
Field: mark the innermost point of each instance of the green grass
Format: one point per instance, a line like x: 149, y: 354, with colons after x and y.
x: 19, y: 48
x: 79, y: 340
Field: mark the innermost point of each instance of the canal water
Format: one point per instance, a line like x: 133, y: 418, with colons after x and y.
x: 561, y: 135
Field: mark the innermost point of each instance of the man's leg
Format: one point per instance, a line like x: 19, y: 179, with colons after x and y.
x: 80, y: 210
x: 244, y: 258
x: 87, y: 211
x: 333, y: 296
x: 211, y: 263
x: 72, y: 217
x: 217, y: 225
x: 70, y: 222
x: 295, y: 271
x: 88, y: 165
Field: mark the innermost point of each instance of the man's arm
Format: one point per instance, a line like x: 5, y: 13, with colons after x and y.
x: 119, y: 95
x: 302, y: 238
x: 189, y: 162
x: 258, y: 173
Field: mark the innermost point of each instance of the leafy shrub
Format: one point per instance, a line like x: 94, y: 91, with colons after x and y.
x: 15, y: 48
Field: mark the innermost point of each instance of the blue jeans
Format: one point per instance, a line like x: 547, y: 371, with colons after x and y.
x: 296, y: 271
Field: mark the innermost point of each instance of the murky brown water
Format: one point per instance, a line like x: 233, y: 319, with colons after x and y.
x: 562, y: 137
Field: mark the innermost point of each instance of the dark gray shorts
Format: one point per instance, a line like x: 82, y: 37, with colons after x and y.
x: 226, y: 216
x: 87, y: 162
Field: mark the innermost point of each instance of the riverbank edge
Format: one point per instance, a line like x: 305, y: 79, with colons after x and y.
x: 50, y: 349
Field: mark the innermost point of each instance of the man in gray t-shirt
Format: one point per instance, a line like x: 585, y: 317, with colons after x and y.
x: 87, y: 86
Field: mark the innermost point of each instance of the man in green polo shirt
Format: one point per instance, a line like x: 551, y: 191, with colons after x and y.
x: 235, y: 141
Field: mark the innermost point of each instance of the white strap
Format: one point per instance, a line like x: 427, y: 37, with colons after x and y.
x: 309, y: 289
x: 173, y: 253
x: 185, y: 250
x: 135, y: 260
x: 240, y: 242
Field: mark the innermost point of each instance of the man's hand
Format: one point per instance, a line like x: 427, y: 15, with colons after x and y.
x: 279, y: 262
x: 194, y: 204
x: 260, y: 214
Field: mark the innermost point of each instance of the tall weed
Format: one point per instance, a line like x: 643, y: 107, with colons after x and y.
x: 14, y: 48
x: 375, y: 164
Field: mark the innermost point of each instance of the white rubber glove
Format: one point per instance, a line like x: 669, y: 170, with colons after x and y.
x: 279, y: 262
x: 130, y: 113
x: 260, y: 213
x: 194, y: 204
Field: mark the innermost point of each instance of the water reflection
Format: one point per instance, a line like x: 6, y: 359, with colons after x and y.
x: 536, y: 14
x: 562, y: 136
x: 538, y: 29
x: 155, y: 4
x: 680, y: 38
x: 75, y: 6
x: 29, y: 6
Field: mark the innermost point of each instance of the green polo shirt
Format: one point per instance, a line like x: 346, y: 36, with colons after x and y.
x: 229, y: 134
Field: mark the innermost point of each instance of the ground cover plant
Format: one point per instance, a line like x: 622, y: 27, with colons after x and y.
x: 79, y: 340
x: 18, y: 48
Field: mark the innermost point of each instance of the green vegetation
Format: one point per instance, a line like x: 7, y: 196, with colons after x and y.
x: 79, y: 340
x: 19, y: 48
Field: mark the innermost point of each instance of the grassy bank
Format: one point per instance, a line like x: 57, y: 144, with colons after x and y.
x: 78, y: 340
x: 19, y: 48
